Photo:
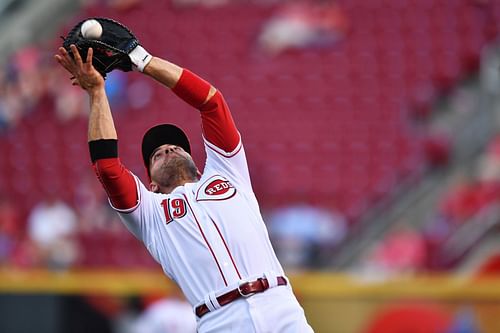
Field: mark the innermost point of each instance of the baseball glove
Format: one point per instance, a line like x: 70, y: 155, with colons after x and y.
x: 111, y: 49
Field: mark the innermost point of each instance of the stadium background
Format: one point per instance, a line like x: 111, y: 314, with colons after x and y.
x: 371, y: 132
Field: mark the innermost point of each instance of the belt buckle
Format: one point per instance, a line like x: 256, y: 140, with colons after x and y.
x: 242, y: 294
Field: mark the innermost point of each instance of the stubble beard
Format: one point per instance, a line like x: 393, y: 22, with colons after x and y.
x: 176, y: 171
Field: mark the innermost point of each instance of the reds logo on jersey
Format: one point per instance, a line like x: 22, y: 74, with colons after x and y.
x: 215, y: 188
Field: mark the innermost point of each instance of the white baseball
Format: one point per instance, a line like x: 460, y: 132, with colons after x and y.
x: 91, y: 29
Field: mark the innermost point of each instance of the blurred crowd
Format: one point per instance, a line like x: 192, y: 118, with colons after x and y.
x: 469, y: 199
x: 304, y: 235
x: 29, y: 81
x: 28, y: 78
x: 53, y: 234
x: 59, y: 234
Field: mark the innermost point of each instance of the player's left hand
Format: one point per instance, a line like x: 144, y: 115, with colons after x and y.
x: 84, y: 74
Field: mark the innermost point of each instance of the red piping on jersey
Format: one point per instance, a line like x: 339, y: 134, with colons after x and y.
x: 218, y: 124
x: 227, y: 249
x: 226, y: 156
x: 206, y: 241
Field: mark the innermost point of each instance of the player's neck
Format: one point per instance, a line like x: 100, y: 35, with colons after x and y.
x: 171, y: 188
x: 177, y: 173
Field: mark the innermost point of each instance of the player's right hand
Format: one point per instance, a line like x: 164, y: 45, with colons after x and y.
x: 84, y: 74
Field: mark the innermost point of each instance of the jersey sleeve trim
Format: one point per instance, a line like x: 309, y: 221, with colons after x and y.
x: 221, y: 151
x: 132, y: 209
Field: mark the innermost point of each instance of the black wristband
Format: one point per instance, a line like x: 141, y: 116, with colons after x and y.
x: 104, y: 148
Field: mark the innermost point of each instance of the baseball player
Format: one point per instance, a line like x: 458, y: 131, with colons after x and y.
x: 205, y: 229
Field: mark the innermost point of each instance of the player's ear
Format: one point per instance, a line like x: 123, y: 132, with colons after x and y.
x: 154, y: 187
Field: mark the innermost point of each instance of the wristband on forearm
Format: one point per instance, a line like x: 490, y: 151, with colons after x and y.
x: 140, y: 58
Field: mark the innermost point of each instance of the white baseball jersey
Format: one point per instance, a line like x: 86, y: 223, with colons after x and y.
x: 208, y: 236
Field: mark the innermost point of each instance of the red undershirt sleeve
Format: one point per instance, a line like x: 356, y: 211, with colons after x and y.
x: 118, y: 182
x: 217, y: 123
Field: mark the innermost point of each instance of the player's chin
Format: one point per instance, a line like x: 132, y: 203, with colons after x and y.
x: 177, y: 164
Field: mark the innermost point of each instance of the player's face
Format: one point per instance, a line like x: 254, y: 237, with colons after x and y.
x: 170, y: 164
x: 166, y: 153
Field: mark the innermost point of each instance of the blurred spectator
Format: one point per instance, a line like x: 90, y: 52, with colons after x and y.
x: 11, y: 106
x: 52, y: 225
x: 116, y: 86
x: 420, y: 317
x: 92, y: 206
x: 489, y: 163
x: 29, y: 82
x: 466, y: 199
x: 302, y: 24
x: 469, y: 195
x: 411, y: 317
x: 303, y: 235
x: 10, y: 229
x: 69, y: 104
x: 402, y: 251
x: 166, y: 315
x: 109, y: 306
x: 464, y: 321
x: 28, y: 63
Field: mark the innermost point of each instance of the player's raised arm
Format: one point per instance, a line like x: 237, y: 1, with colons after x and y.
x: 116, y: 47
x: 102, y: 137
x: 217, y: 123
x: 101, y: 126
x: 206, y: 229
x: 169, y: 74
